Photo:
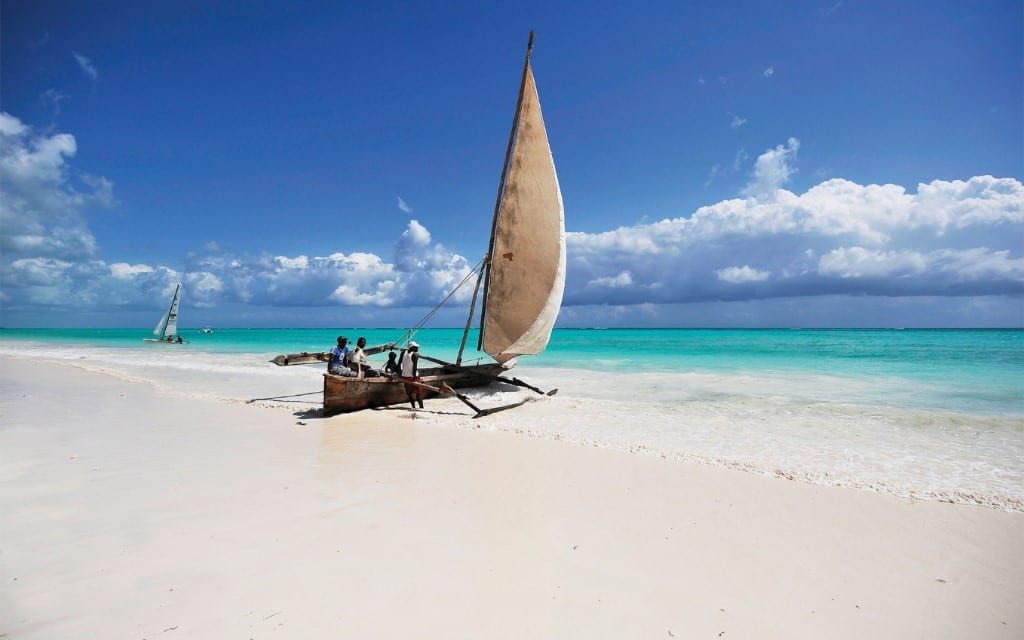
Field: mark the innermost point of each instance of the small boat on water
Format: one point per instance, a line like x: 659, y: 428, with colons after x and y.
x: 523, y: 277
x: 167, y: 329
x: 206, y: 330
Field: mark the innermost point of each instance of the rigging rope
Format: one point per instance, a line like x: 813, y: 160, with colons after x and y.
x: 419, y: 325
x: 294, y: 395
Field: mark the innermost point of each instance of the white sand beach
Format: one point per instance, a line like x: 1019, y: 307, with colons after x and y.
x: 130, y: 511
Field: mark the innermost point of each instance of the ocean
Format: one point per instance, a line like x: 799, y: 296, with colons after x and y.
x: 925, y: 414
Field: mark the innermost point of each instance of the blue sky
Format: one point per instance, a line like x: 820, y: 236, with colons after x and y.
x: 832, y: 163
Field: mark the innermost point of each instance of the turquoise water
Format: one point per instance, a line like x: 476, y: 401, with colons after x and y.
x: 973, y: 370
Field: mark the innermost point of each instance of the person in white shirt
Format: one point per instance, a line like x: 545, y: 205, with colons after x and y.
x: 409, y: 363
x: 357, y: 359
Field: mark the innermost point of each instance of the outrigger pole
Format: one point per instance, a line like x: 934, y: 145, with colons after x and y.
x: 494, y: 222
x: 513, y: 381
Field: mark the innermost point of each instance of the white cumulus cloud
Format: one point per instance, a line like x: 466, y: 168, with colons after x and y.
x: 11, y: 126
x: 942, y: 238
x: 125, y: 271
x: 736, y: 275
x: 772, y: 169
x: 624, y: 279
x: 41, y: 199
x: 298, y: 262
x: 960, y: 264
x: 959, y: 237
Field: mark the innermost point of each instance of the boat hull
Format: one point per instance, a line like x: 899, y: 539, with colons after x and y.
x: 343, y: 395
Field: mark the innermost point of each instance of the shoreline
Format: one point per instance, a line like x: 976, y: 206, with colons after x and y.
x: 133, y: 511
x: 540, y: 423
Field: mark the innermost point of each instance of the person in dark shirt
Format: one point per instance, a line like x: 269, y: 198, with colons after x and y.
x: 392, y: 365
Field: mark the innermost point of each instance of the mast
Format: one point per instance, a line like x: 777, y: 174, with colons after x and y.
x: 497, y: 202
x: 469, y: 319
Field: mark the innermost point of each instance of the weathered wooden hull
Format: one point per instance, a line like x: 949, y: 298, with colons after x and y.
x: 342, y: 395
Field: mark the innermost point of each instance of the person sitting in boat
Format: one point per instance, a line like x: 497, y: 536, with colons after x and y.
x: 179, y: 340
x: 339, y: 354
x: 411, y: 373
x: 392, y: 365
x: 357, y: 360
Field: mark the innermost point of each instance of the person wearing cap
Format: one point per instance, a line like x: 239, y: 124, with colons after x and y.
x: 409, y: 363
x: 336, y: 364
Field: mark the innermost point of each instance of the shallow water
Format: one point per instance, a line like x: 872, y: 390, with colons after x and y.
x: 930, y: 414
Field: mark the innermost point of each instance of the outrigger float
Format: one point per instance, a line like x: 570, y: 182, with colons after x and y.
x: 523, y: 277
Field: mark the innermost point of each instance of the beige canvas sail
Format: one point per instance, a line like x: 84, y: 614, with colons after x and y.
x: 526, y: 276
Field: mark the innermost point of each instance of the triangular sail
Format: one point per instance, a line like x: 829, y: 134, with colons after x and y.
x: 159, y: 329
x: 526, y: 272
x: 168, y: 325
x: 172, y: 313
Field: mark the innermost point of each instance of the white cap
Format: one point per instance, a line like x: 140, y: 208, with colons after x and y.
x: 414, y: 345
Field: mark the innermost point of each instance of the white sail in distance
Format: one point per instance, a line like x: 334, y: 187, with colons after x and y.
x: 526, y: 272
x: 168, y: 325
x: 172, y: 315
x: 158, y: 330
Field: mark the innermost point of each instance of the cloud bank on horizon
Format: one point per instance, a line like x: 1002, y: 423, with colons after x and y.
x: 947, y: 238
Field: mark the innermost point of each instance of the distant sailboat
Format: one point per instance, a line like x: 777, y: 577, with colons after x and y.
x: 167, y: 329
x: 523, y: 276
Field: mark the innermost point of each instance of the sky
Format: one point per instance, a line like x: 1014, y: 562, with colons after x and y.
x: 738, y: 164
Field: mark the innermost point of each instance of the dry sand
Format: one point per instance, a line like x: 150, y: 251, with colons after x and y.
x: 131, y: 512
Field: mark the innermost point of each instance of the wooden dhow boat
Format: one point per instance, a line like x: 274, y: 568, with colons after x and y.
x: 523, y: 277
